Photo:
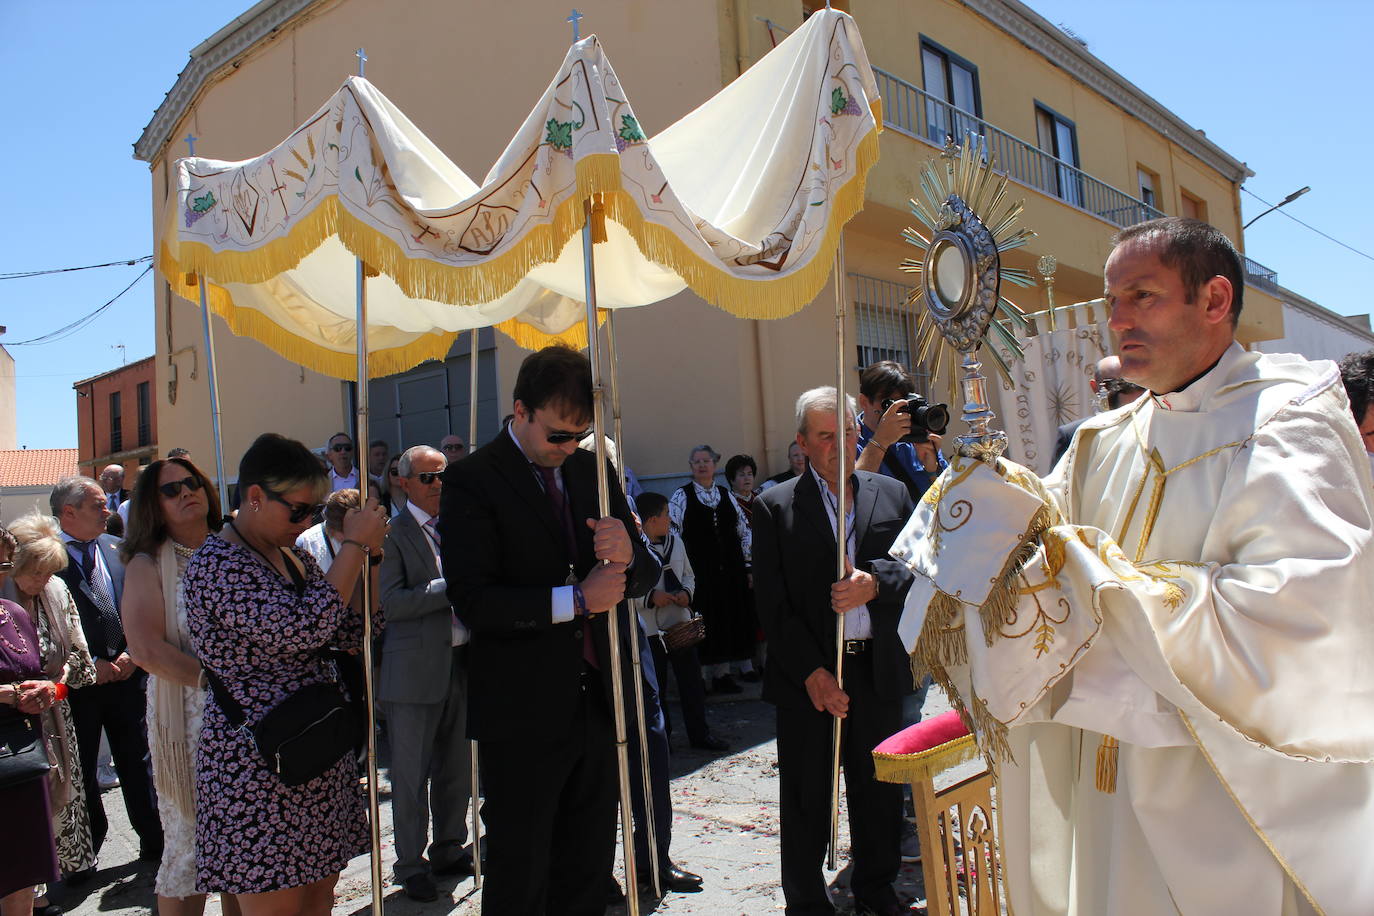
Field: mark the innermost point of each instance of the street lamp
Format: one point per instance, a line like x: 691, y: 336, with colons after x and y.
x: 1287, y: 200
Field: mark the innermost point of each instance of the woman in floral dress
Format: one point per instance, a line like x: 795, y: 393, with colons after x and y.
x: 171, y: 512
x: 35, y: 587
x: 259, y: 613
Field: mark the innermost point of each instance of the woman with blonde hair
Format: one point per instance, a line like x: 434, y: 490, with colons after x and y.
x: 39, y: 555
x: 172, y: 511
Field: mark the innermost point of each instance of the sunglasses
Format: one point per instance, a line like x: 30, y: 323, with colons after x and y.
x: 299, y: 511
x: 173, y: 487
x: 559, y: 438
x: 428, y: 477
x: 342, y: 447
x: 394, y: 472
x: 455, y: 447
x: 6, y: 566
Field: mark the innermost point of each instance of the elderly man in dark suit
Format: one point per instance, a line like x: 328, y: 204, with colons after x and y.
x: 116, y: 701
x: 798, y: 598
x: 532, y: 571
x: 423, y: 687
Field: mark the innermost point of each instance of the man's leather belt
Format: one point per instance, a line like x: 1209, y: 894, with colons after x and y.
x: 857, y: 646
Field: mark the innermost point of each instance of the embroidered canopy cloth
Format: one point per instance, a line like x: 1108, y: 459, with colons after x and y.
x: 742, y: 200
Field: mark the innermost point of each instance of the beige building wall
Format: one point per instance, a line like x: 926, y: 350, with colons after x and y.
x: 9, y: 410
x: 467, y: 75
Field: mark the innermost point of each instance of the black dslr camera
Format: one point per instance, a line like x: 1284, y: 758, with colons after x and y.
x: 925, y: 418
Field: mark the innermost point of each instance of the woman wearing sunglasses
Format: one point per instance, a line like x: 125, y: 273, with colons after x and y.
x: 261, y: 613
x: 173, y: 509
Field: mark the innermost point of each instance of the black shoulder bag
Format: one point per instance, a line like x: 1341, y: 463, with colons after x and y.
x: 309, y: 731
x: 23, y: 753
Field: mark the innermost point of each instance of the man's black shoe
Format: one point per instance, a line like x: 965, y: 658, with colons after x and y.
x: 420, y: 887
x: 890, y: 907
x: 711, y: 743
x: 675, y: 879
x: 459, y: 866
x: 726, y: 684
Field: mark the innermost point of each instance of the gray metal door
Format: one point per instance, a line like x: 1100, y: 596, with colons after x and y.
x: 422, y: 409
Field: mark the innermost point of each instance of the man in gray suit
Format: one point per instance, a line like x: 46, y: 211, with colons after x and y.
x: 423, y: 690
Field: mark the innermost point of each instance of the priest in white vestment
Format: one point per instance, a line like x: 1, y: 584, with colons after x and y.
x: 1167, y: 644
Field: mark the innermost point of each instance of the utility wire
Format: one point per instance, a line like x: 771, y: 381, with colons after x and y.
x: 64, y: 332
x: 21, y: 274
x: 1313, y: 228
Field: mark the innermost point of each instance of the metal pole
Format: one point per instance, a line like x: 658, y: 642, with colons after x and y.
x: 472, y: 394
x: 635, y: 663
x: 214, y: 397
x: 603, y: 493
x: 474, y: 775
x: 841, y: 543
x: 373, y: 805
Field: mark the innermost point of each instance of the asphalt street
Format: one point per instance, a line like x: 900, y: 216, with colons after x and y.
x: 725, y: 827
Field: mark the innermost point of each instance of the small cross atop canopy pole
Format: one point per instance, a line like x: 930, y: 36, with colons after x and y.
x: 361, y: 54
x: 576, y: 19
x: 191, y: 143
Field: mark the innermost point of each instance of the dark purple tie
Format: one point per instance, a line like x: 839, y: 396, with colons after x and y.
x: 563, y: 515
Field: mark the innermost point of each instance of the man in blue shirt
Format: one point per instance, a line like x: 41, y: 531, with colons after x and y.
x: 881, y: 450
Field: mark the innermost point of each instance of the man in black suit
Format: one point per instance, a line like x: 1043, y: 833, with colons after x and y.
x: 798, y: 598
x: 1108, y: 385
x: 522, y: 551
x: 116, y: 701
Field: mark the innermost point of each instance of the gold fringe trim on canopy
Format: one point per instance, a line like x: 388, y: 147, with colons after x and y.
x: 247, y: 322
x: 528, y: 337
x: 421, y: 278
x: 927, y: 764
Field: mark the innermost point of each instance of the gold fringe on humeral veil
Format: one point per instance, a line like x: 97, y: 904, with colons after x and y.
x: 1107, y: 753
x: 942, y: 643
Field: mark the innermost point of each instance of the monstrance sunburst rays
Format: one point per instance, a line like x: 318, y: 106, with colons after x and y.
x: 970, y: 220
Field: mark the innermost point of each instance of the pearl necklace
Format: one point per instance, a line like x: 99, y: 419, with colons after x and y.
x: 182, y: 550
x: 23, y: 647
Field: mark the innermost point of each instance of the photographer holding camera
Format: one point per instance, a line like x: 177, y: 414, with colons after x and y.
x: 899, y: 433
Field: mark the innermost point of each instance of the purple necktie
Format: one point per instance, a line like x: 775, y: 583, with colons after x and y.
x: 563, y: 515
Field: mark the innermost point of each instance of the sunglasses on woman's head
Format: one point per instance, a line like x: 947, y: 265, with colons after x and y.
x: 6, y: 566
x: 171, y: 488
x: 299, y: 511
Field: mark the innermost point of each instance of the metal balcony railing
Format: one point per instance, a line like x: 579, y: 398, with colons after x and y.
x: 914, y: 112
x: 1255, y: 272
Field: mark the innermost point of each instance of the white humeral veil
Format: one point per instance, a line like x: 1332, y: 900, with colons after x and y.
x: 1194, y: 582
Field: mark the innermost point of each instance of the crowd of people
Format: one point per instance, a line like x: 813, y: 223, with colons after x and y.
x: 219, y: 654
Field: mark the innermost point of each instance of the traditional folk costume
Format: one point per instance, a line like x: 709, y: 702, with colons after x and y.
x: 1165, y: 647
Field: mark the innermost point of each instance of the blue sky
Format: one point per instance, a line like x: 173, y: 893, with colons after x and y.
x: 1277, y: 86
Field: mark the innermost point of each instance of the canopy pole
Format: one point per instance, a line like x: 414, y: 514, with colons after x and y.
x: 211, y: 377
x: 841, y: 542
x: 472, y: 394
x: 474, y: 776
x: 373, y: 804
x: 603, y: 494
x: 635, y: 662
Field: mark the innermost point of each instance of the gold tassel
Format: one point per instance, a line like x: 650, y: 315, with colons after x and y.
x: 999, y: 609
x: 599, y: 220
x: 1106, y: 764
x: 369, y: 271
x: 192, y: 280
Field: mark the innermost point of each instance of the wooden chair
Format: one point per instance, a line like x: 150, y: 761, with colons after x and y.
x: 959, y: 854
